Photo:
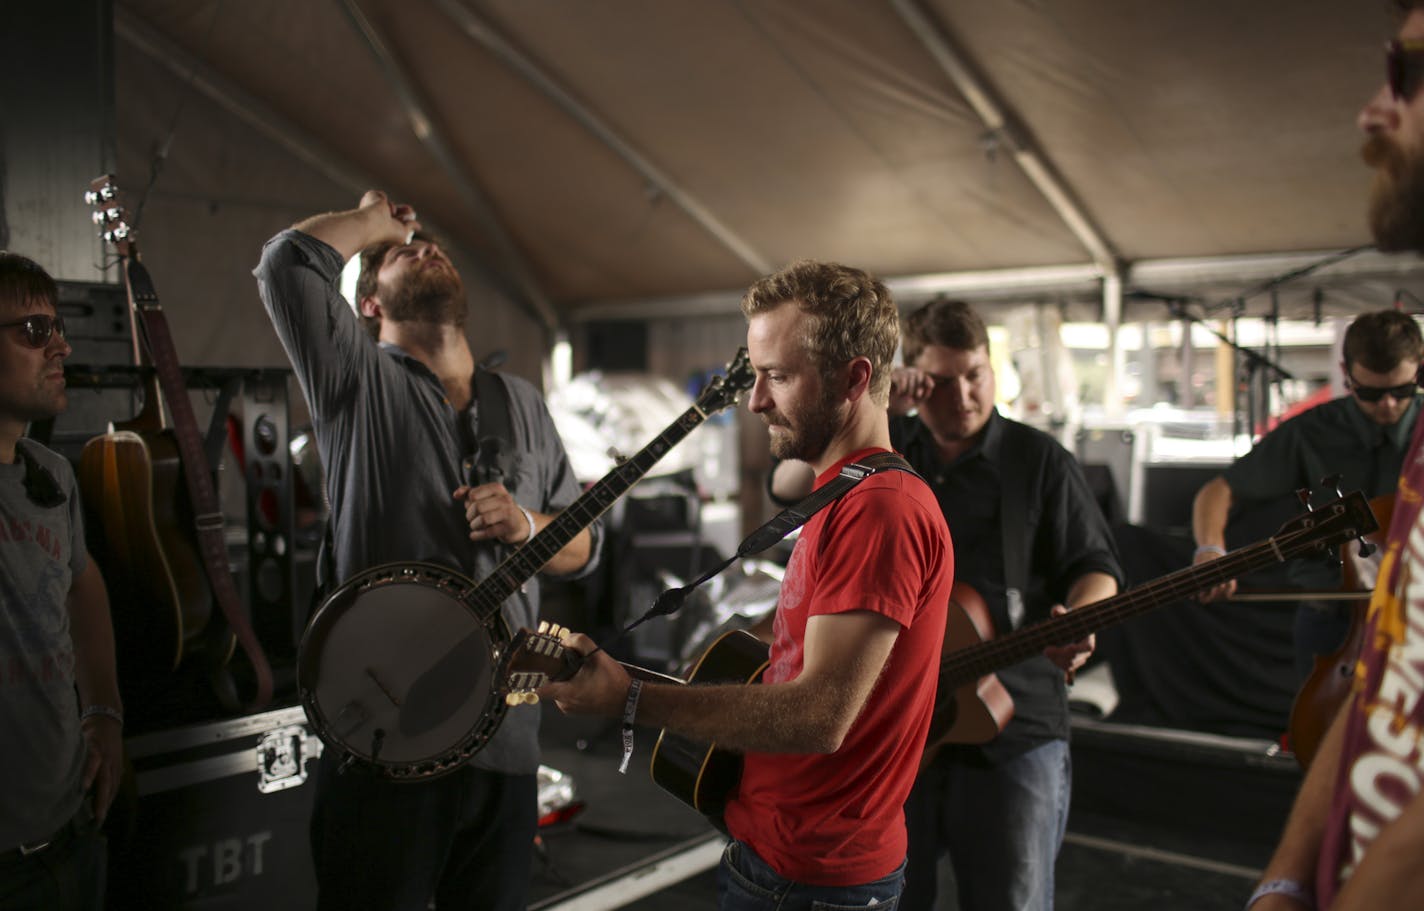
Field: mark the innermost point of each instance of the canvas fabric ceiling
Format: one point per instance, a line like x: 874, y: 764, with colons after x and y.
x: 819, y: 128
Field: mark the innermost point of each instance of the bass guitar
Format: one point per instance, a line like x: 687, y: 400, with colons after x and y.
x: 971, y: 706
x: 397, y: 667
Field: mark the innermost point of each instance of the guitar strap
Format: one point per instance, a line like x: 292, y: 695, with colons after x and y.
x: 1013, y: 523
x: 207, y: 510
x: 781, y: 525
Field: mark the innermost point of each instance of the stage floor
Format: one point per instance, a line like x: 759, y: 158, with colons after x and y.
x: 1162, y: 819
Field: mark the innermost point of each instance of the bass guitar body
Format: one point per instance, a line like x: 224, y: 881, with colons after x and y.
x: 1328, y: 685
x: 974, y: 712
x: 138, y: 516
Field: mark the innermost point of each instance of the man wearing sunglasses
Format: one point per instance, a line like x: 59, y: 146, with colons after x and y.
x: 1361, y: 436
x: 1356, y: 833
x: 61, y: 758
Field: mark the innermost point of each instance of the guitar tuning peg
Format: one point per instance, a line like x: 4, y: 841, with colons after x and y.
x: 1332, y: 481
x: 512, y: 699
x: 1367, y: 548
x: 544, y: 626
x: 531, y: 698
x: 1303, y: 495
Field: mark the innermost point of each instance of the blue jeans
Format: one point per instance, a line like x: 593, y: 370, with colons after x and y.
x: 67, y: 876
x: 1001, y: 824
x: 746, y: 883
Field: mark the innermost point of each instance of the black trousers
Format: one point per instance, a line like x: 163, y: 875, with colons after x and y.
x: 464, y: 840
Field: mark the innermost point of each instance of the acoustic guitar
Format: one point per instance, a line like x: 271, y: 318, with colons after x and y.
x: 139, y: 515
x: 700, y: 775
x: 971, y: 705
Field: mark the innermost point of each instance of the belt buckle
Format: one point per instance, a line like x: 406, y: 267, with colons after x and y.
x: 27, y: 850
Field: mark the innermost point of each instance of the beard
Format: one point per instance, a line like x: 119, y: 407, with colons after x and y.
x: 433, y: 295
x: 1396, y: 197
x: 811, y: 429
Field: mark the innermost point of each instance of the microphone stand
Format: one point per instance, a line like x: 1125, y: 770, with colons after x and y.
x: 1253, y: 362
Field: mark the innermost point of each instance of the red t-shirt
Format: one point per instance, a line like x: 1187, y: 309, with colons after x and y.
x: 837, y: 819
x: 1384, y: 737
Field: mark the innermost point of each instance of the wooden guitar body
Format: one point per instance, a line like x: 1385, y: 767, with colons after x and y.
x: 1328, y: 685
x: 160, y: 596
x: 701, y: 775
x: 973, y: 712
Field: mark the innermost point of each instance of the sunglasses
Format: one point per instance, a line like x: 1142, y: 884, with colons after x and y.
x: 1375, y: 393
x: 38, y: 328
x: 1404, y: 68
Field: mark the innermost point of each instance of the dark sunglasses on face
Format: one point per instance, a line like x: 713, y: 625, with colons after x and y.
x: 37, y: 328
x: 1374, y: 393
x: 1404, y: 68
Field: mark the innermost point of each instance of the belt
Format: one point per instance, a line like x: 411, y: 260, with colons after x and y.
x: 23, y: 851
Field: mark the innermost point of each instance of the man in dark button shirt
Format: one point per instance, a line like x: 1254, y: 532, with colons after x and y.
x: 1361, y: 436
x: 394, y: 409
x: 1000, y: 810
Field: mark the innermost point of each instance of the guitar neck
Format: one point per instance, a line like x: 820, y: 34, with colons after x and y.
x: 521, y: 565
x: 966, y: 665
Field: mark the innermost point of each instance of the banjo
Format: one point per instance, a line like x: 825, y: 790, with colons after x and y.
x: 399, y: 667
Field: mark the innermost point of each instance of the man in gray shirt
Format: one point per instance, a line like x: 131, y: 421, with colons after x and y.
x: 62, y: 759
x: 396, y: 421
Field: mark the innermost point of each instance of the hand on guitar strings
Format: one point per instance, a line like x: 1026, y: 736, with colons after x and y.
x: 599, y: 688
x: 1073, y: 655
x: 1221, y: 590
x: 492, y: 514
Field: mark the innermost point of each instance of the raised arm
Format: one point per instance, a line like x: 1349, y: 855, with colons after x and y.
x: 376, y: 220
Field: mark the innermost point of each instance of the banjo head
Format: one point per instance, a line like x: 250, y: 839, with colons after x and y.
x: 397, y: 672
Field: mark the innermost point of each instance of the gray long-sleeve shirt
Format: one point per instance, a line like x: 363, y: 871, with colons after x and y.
x: 394, y: 449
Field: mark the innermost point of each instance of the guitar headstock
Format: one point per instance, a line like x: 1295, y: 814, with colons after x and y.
x: 110, y: 215
x: 724, y: 391
x: 534, y: 659
x: 1327, y: 526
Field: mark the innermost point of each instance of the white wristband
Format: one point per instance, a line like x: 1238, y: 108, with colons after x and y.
x: 630, y: 711
x: 528, y: 517
x: 1209, y: 549
x: 1287, y: 887
x: 107, y: 711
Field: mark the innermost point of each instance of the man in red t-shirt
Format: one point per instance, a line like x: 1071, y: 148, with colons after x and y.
x: 833, y: 735
x: 1356, y: 834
